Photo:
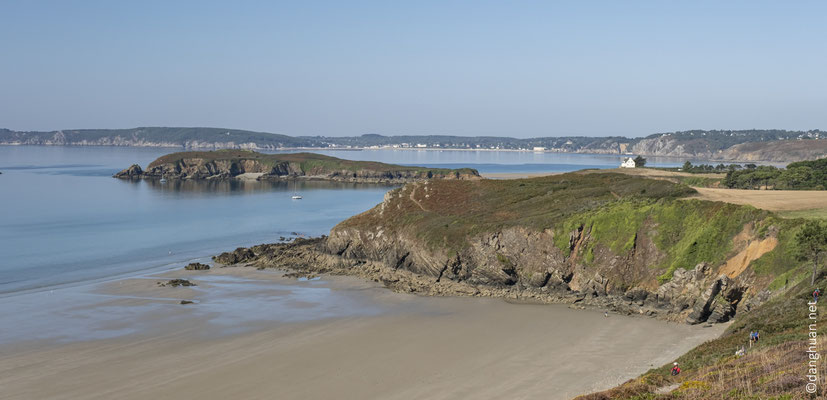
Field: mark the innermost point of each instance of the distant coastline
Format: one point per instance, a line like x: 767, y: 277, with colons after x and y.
x: 716, y: 145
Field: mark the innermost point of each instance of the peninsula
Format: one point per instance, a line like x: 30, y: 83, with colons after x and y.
x: 230, y: 164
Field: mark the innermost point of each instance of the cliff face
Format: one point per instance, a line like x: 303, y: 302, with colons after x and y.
x: 779, y: 151
x: 670, y: 147
x: 766, y: 151
x: 625, y: 247
x: 230, y: 164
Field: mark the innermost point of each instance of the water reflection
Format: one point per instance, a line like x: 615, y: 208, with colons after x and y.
x: 240, y: 187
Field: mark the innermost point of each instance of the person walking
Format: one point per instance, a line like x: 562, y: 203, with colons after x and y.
x: 675, y: 369
x: 816, y: 293
x: 751, y: 338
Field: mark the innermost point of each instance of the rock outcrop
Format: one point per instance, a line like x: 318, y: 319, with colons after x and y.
x: 133, y: 172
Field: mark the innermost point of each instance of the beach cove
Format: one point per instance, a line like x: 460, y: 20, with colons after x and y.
x: 257, y: 334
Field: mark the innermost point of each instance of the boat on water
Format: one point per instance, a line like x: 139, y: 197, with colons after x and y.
x: 163, y: 180
x: 296, y: 195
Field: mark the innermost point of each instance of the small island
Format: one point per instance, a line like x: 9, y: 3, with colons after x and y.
x: 244, y: 164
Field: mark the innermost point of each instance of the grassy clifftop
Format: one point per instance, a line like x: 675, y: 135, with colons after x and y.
x: 226, y: 164
x: 614, y: 209
x: 445, y: 214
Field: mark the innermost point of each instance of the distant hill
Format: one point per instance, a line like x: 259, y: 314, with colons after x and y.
x: 719, y: 145
x: 206, y: 138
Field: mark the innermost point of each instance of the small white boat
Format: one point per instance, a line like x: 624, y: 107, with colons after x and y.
x: 163, y: 180
x: 296, y: 195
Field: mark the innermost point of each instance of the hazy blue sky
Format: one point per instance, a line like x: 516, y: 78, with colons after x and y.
x: 466, y: 68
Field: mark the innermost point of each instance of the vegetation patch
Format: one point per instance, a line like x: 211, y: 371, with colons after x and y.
x: 802, y: 175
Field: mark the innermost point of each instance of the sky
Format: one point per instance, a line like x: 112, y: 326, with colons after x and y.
x: 342, y: 68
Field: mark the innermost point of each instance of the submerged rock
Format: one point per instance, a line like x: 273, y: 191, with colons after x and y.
x: 187, y: 302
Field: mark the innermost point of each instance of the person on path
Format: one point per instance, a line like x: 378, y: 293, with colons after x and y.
x: 816, y: 293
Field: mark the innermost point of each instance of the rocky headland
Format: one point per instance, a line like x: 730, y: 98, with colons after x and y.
x: 622, y: 243
x: 231, y: 164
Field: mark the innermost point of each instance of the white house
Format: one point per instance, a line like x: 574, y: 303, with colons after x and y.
x: 628, y: 163
x: 539, y: 149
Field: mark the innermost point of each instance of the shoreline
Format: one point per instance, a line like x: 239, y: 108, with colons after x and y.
x: 287, y: 149
x: 415, y: 347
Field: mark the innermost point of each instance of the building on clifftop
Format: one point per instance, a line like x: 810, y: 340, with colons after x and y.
x: 628, y: 163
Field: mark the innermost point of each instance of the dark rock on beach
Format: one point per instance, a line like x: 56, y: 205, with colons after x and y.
x: 176, y: 283
x: 239, y: 255
x: 196, y: 267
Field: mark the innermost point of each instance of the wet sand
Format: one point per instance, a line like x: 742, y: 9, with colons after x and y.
x: 371, y: 344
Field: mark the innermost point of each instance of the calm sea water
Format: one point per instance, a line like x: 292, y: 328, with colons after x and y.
x: 64, y: 219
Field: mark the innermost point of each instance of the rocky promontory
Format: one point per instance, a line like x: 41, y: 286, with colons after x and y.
x: 229, y: 164
x: 620, y: 243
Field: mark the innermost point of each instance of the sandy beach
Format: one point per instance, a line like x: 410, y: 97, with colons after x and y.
x: 372, y: 343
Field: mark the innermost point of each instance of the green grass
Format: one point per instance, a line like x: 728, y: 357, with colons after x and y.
x: 697, y: 231
x: 689, y: 232
x: 815, y: 213
x: 698, y: 181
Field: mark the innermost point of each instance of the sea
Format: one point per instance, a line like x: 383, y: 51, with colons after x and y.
x: 64, y: 220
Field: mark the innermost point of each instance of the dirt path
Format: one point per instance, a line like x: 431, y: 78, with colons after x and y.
x: 413, y: 198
